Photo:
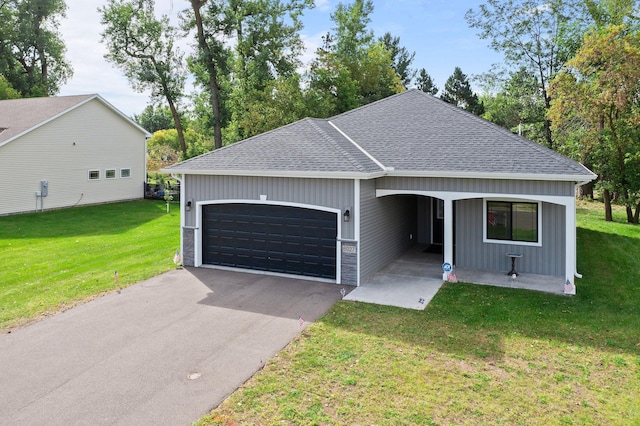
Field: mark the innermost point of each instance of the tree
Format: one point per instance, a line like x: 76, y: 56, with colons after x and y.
x: 245, y: 45
x: 425, y: 83
x: 31, y: 49
x: 351, y: 68
x: 6, y: 91
x: 155, y: 118
x: 401, y: 58
x: 210, y: 56
x: 457, y: 91
x: 537, y: 35
x: 143, y: 47
x: 597, y: 97
x: 611, y: 12
x: 515, y: 105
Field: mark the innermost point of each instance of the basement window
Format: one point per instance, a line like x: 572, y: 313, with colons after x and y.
x: 513, y: 221
x: 94, y: 174
x: 110, y: 174
x: 125, y: 173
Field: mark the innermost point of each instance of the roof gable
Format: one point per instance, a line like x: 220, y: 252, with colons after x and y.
x: 20, y: 116
x: 408, y: 134
x: 306, y: 146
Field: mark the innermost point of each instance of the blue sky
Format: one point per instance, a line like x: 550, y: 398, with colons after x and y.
x: 435, y: 29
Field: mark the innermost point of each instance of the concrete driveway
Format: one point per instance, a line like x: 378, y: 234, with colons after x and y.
x: 162, y: 352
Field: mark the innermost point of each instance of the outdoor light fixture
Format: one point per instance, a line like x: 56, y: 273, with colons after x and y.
x: 188, y: 206
x: 347, y: 215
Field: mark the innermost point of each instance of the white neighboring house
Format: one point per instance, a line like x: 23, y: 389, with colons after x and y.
x: 66, y: 151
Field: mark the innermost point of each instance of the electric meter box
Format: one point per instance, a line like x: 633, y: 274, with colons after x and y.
x: 44, y: 188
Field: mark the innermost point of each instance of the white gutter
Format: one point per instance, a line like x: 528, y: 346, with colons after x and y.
x: 180, y: 178
x: 276, y: 173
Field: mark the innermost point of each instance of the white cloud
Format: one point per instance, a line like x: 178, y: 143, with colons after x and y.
x: 323, y: 5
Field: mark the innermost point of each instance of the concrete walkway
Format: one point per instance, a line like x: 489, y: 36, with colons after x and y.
x: 412, y: 280
x: 162, y: 352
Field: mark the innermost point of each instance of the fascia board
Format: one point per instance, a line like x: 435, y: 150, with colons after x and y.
x: 485, y: 175
x: 276, y: 173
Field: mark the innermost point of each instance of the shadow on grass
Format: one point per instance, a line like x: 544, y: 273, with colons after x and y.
x: 83, y: 220
x: 473, y: 320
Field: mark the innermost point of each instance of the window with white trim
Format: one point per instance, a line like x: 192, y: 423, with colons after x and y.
x: 94, y: 174
x: 110, y: 174
x: 512, y: 221
x: 125, y: 173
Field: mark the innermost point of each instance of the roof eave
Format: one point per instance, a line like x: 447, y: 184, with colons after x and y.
x: 277, y: 173
x: 488, y: 175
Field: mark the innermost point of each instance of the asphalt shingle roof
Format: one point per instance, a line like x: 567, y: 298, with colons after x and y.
x: 306, y: 145
x: 408, y: 133
x: 20, y: 115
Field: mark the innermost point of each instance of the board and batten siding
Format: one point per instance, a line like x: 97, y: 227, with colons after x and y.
x: 488, y: 186
x: 332, y: 193
x: 328, y: 193
x: 103, y: 140
x: 387, y: 228
x: 472, y: 253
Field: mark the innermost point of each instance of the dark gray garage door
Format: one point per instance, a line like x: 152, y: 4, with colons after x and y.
x: 284, y: 239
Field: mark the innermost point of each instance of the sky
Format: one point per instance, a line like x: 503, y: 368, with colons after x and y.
x: 434, y: 29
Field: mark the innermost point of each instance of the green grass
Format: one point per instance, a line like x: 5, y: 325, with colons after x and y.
x: 56, y: 259
x: 475, y: 355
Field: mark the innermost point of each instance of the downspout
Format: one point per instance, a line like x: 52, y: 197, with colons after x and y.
x: 576, y: 273
x: 180, y: 178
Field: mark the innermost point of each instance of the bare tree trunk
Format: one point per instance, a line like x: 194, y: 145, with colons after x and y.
x: 629, y: 214
x: 214, y: 89
x: 178, y: 123
x: 636, y: 216
x: 586, y: 190
x: 608, y: 216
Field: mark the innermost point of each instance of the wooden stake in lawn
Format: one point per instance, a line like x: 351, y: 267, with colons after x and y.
x: 115, y: 277
x: 168, y: 198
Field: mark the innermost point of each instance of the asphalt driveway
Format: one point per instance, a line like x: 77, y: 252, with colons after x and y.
x: 162, y: 352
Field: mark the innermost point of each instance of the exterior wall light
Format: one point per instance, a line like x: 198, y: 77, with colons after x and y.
x: 347, y: 215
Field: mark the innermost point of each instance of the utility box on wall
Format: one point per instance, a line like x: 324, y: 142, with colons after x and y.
x: 44, y: 188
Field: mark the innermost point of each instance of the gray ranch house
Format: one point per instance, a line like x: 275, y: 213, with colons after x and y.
x: 338, y: 199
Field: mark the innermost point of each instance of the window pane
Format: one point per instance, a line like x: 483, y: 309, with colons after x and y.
x: 125, y: 173
x: 94, y: 174
x: 498, y: 220
x: 525, y: 222
x: 110, y: 174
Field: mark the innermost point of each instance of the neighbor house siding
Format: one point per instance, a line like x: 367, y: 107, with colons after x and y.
x: 492, y: 186
x: 472, y: 253
x: 387, y: 228
x: 63, y: 151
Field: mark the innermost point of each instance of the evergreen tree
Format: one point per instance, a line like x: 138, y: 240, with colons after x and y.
x: 457, y: 91
x: 425, y: 83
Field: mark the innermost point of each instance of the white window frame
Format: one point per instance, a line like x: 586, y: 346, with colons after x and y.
x: 511, y: 242
x: 93, y: 171
x: 125, y: 177
x: 106, y: 173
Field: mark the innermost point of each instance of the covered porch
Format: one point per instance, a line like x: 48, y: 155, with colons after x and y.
x: 414, y: 278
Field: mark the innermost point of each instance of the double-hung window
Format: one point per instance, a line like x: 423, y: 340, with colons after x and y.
x: 515, y: 221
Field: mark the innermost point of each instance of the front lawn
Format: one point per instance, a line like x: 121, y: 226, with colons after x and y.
x: 476, y: 355
x: 56, y: 259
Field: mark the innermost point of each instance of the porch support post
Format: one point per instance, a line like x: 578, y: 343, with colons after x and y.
x: 570, y: 246
x: 448, y: 234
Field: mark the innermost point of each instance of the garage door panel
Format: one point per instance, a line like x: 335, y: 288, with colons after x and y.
x: 274, y: 238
